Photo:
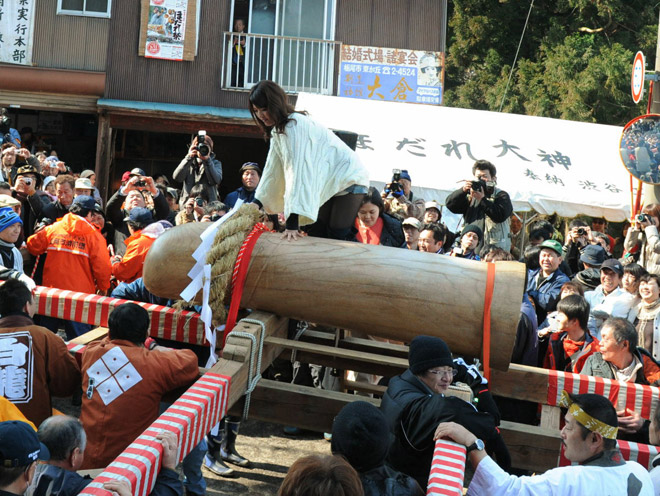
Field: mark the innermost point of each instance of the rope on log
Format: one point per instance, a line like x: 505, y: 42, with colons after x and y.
x: 447, y: 469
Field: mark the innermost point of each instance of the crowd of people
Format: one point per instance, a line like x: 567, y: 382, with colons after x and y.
x: 591, y: 305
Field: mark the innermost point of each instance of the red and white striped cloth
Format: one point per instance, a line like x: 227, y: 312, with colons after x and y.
x: 632, y: 452
x: 447, y: 469
x: 191, y: 417
x: 636, y: 397
x: 166, y: 323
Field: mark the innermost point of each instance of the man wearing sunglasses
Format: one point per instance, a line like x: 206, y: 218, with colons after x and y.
x: 415, y: 403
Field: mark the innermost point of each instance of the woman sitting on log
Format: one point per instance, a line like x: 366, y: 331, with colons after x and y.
x: 310, y: 174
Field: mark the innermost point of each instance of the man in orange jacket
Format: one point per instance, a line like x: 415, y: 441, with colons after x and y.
x: 129, y: 268
x: 77, y: 258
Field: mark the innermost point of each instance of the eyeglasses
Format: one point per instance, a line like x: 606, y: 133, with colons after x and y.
x: 442, y: 373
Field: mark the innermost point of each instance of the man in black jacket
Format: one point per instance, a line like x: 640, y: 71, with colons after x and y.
x: 415, y: 403
x: 485, y: 205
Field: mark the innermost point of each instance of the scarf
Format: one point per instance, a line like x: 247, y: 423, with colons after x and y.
x: 7, y: 254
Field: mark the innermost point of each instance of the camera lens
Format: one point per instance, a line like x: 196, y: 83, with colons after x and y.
x: 199, y: 202
x: 581, y: 231
x: 28, y: 181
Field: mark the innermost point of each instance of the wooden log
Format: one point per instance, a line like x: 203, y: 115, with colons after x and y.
x: 392, y: 293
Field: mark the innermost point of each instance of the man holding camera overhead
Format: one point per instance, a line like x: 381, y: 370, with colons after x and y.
x: 483, y: 204
x: 199, y: 166
x: 398, y: 197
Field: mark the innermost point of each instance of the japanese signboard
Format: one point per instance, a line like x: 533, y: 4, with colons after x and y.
x: 549, y: 165
x: 168, y: 29
x: 391, y: 74
x: 16, y: 30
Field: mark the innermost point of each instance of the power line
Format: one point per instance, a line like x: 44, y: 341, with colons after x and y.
x: 516, y: 57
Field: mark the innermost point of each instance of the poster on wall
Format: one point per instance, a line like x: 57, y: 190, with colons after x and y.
x: 168, y: 29
x: 16, y: 31
x: 391, y: 74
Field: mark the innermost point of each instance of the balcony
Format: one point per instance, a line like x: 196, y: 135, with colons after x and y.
x: 296, y: 64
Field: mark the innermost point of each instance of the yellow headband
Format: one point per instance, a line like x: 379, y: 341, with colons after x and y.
x: 586, y: 420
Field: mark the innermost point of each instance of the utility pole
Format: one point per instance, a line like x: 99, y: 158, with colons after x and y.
x: 652, y: 193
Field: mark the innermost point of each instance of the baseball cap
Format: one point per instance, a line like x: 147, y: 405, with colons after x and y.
x: 614, y: 265
x: 173, y: 193
x: 19, y: 445
x: 593, y: 255
x: 85, y: 202
x: 8, y: 201
x: 83, y: 183
x: 87, y: 173
x: 140, y: 215
x: 250, y: 166
x: 125, y: 176
x: 552, y: 244
x: 412, y: 221
x: 137, y: 172
x: 432, y: 204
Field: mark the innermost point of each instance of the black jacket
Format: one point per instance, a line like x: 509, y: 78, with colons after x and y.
x: 391, y: 235
x: 413, y: 412
x: 498, y: 207
x: 383, y: 481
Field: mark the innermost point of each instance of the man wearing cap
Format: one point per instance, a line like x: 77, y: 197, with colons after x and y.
x: 411, y: 230
x: 544, y: 284
x: 592, y: 257
x: 19, y: 451
x: 589, y: 439
x: 250, y: 177
x: 132, y: 195
x: 432, y: 238
x: 129, y: 267
x: 487, y: 206
x: 608, y: 299
x: 77, y: 257
x: 432, y: 212
x: 415, y: 403
x: 399, y: 202
x: 33, y: 200
x: 196, y: 168
x: 83, y: 187
x: 467, y: 246
x: 41, y: 366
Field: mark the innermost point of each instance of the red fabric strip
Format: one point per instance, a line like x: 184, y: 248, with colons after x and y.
x: 488, y: 301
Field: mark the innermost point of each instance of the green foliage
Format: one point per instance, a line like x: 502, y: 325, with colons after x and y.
x: 574, y: 63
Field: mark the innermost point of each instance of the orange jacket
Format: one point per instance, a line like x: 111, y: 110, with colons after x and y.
x: 130, y: 267
x: 77, y: 259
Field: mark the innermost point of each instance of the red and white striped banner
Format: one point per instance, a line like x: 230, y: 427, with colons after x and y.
x: 632, y: 452
x: 447, y: 469
x: 166, y: 322
x: 636, y: 397
x: 191, y: 417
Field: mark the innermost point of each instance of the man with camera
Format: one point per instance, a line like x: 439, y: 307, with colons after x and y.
x: 199, y: 167
x: 483, y: 204
x: 7, y: 133
x: 398, y: 197
x: 14, y: 158
x: 139, y: 191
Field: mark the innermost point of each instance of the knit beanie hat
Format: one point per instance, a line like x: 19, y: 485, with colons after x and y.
x: 426, y: 352
x: 473, y: 228
x: 361, y: 434
x: 8, y: 217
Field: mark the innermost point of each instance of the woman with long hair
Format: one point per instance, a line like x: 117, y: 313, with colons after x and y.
x: 310, y: 174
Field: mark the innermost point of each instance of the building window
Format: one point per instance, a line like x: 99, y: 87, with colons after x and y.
x: 91, y: 8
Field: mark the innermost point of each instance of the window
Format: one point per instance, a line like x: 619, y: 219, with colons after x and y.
x: 91, y: 8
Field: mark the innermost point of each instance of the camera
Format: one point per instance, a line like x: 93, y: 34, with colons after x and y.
x: 202, y: 147
x: 141, y: 184
x: 395, y: 187
x: 642, y: 218
x: 487, y: 187
x: 581, y: 231
x: 27, y: 181
x: 215, y: 217
x: 199, y: 202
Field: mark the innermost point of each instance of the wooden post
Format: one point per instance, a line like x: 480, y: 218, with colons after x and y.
x: 391, y: 293
x: 103, y: 155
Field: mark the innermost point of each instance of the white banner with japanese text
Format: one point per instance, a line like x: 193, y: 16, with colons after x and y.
x: 16, y: 31
x: 550, y: 165
x: 391, y: 74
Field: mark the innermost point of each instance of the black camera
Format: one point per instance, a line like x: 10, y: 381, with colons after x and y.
x: 199, y: 201
x: 27, y: 181
x: 642, y: 218
x: 486, y: 187
x: 581, y: 231
x: 141, y: 184
x: 202, y: 147
x: 395, y: 187
x: 215, y: 217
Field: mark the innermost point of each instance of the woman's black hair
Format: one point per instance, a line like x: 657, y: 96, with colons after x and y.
x: 270, y: 96
x: 373, y: 196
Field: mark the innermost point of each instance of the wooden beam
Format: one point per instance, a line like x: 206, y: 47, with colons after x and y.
x: 521, y: 382
x: 531, y: 447
x: 93, y: 335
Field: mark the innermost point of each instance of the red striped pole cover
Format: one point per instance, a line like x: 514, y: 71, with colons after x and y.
x: 190, y: 418
x: 447, y: 469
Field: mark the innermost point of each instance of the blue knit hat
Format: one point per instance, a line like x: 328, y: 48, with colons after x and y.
x: 8, y: 217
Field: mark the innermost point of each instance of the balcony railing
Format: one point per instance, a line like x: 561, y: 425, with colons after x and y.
x: 296, y: 64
